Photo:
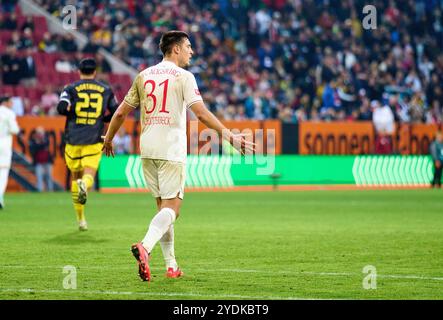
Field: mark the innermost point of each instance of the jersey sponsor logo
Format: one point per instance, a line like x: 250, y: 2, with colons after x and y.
x: 85, y: 121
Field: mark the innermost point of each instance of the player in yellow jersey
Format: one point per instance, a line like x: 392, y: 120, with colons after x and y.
x: 87, y: 105
x: 164, y: 92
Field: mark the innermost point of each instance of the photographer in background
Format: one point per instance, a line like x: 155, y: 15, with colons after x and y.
x: 42, y: 158
x: 384, y: 124
x: 436, y: 151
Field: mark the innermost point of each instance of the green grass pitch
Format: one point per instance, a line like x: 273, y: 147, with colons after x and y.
x: 233, y: 245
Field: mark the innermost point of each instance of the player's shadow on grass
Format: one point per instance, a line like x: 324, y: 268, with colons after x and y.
x: 75, y: 238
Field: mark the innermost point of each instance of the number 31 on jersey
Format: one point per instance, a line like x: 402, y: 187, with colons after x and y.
x: 152, y: 85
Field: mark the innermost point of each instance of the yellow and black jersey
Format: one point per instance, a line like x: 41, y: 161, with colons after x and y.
x: 87, y: 105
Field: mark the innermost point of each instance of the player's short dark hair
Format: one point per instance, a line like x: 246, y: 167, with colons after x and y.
x: 170, y: 39
x: 87, y: 66
x: 4, y: 98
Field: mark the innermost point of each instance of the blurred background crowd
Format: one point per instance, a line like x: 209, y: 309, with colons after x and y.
x: 292, y: 60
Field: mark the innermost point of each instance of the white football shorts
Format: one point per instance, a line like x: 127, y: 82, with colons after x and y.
x: 5, y: 157
x: 165, y: 179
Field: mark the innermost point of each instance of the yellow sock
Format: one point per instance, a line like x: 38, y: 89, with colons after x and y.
x: 88, y: 180
x: 79, y: 208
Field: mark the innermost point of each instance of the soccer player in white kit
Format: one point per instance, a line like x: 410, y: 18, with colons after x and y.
x: 8, y: 127
x: 164, y: 92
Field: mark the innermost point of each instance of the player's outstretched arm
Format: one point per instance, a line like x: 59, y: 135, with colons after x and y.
x: 116, y: 122
x: 238, y: 141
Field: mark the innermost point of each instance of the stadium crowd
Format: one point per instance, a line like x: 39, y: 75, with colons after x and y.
x: 292, y: 60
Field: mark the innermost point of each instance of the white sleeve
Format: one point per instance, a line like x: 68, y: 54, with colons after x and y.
x: 191, y: 93
x: 65, y: 96
x: 132, y: 97
x: 13, y: 126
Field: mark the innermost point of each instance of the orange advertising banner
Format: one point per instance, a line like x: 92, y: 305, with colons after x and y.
x: 273, y: 133
x: 359, y: 137
x: 202, y: 140
x: 266, y: 134
x: 415, y: 138
x: 55, y: 126
x: 336, y: 138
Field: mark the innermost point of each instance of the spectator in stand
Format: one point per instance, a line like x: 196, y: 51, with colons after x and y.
x: 331, y: 101
x: 281, y: 46
x: 28, y: 24
x: 240, y: 114
x: 64, y: 64
x: 136, y: 53
x: 68, y: 44
x: 383, y: 119
x: 26, y: 39
x: 434, y: 115
x: 417, y: 109
x: 11, y: 66
x: 365, y: 112
x: 92, y: 46
x: 15, y: 40
x: 42, y: 159
x: 103, y: 65
x: 28, y: 69
x: 315, y: 116
x: 9, y: 5
x: 266, y: 56
x: 37, y: 110
x: 286, y: 115
x: 103, y: 37
x: 122, y: 142
x: 10, y: 22
x: 48, y: 44
x: 49, y: 100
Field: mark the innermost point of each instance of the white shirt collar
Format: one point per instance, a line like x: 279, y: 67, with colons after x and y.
x: 168, y: 62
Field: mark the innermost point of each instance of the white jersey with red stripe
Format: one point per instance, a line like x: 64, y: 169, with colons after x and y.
x: 163, y: 92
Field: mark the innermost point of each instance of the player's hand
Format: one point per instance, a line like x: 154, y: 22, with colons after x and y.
x: 437, y: 164
x: 239, y: 142
x: 108, y: 148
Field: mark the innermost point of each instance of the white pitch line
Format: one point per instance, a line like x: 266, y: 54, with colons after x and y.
x: 163, y: 294
x: 289, y: 272
x: 328, y: 274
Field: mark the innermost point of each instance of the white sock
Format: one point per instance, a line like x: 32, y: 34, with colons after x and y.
x: 158, y: 227
x: 4, y: 173
x: 167, y: 245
